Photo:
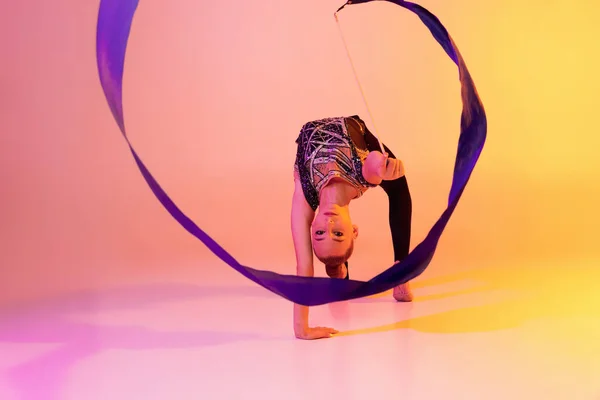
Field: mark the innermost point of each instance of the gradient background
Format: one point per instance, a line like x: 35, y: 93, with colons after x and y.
x: 215, y: 94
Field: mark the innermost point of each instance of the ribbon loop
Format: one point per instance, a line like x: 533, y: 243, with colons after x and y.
x: 114, y: 24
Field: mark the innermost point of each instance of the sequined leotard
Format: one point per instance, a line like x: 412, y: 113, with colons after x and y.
x: 322, y: 140
x: 326, y: 151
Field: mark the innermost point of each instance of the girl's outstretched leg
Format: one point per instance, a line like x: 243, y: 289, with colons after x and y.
x: 400, y: 216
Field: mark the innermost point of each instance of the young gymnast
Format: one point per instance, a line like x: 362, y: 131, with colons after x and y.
x: 338, y: 160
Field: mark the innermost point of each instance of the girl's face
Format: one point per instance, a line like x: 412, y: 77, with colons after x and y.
x: 332, y: 231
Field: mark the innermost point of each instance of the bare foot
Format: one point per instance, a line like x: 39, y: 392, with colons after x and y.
x: 403, y: 293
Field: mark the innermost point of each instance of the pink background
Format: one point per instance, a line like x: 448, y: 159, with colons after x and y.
x: 215, y: 94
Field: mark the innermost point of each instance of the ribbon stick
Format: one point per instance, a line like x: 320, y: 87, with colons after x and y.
x: 115, y: 19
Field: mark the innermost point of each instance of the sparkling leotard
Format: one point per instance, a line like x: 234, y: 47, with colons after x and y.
x: 326, y: 151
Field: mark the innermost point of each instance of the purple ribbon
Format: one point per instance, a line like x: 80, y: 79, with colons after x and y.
x: 114, y: 24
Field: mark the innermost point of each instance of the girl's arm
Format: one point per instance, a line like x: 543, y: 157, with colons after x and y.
x: 301, y: 220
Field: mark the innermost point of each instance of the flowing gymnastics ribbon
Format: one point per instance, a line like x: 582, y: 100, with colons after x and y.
x: 114, y: 25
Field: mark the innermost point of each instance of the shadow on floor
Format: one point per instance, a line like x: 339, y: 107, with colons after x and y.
x: 529, y: 294
x: 49, y: 321
x: 533, y: 294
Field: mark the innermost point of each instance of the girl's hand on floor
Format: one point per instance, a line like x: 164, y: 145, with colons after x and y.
x: 318, y: 332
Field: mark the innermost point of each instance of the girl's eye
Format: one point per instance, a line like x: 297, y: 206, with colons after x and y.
x: 319, y: 232
x: 338, y: 234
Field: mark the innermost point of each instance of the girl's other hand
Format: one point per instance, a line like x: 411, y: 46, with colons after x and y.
x: 375, y: 167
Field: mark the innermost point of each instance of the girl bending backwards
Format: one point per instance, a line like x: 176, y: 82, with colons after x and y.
x: 337, y: 161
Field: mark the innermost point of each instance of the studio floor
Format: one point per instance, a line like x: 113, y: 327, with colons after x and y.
x: 529, y: 333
